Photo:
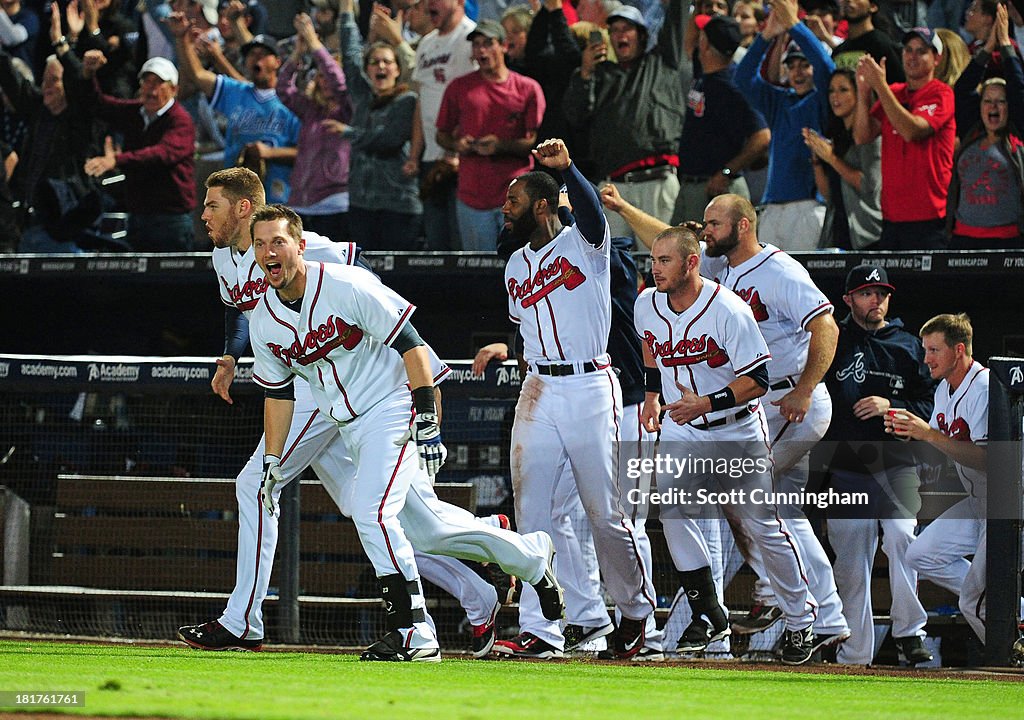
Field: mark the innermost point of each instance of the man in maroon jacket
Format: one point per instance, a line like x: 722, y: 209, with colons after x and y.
x: 157, y: 159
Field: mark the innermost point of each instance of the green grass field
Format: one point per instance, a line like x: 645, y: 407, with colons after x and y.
x: 181, y: 683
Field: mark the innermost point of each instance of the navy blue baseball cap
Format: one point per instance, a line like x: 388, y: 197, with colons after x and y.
x: 722, y: 31
x: 927, y: 35
x: 864, y: 276
x: 263, y: 41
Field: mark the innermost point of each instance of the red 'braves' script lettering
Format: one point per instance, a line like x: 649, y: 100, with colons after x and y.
x: 318, y: 343
x: 245, y: 296
x: 751, y: 298
x: 534, y: 289
x: 688, y: 351
x: 957, y: 430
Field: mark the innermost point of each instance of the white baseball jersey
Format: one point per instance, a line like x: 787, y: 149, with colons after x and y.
x: 439, y: 60
x: 782, y: 297
x: 242, y: 281
x: 560, y: 296
x: 705, y: 347
x: 338, y: 341
x: 962, y: 414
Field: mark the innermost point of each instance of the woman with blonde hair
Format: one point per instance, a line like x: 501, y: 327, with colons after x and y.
x: 954, y: 58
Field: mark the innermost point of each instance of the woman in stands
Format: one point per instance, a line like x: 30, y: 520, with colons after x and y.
x: 988, y: 177
x: 386, y: 209
x: 320, y: 178
x: 848, y: 175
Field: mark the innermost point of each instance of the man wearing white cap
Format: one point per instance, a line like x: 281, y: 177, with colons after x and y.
x: 159, y: 141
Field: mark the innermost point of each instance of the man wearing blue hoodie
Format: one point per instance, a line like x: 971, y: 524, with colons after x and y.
x: 878, y: 368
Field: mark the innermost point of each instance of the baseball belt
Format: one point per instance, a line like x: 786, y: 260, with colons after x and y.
x: 745, y: 412
x: 657, y: 172
x: 564, y: 370
x: 783, y: 384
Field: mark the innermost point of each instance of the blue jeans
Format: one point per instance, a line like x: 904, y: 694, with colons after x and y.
x: 479, y: 228
x: 440, y: 225
x: 35, y: 239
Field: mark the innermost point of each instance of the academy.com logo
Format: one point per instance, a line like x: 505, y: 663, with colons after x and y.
x: 179, y: 372
x: 49, y: 371
x: 113, y: 372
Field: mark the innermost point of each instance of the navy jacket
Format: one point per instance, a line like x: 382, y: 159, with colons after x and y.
x: 888, y: 363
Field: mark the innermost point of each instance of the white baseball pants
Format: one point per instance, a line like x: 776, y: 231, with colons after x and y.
x: 312, y: 440
x: 761, y: 522
x: 575, y: 420
x: 939, y: 554
x: 791, y: 442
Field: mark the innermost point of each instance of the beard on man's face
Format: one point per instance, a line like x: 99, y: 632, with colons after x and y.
x: 721, y: 247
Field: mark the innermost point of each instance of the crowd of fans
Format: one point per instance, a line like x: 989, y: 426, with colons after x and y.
x: 858, y: 125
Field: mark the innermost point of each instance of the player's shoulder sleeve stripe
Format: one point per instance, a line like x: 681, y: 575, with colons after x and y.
x: 353, y: 251
x: 272, y: 385
x: 514, y: 319
x: 750, y: 366
x: 442, y: 375
x: 402, y: 320
x: 823, y: 308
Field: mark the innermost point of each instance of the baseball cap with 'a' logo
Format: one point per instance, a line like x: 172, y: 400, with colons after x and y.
x: 864, y: 276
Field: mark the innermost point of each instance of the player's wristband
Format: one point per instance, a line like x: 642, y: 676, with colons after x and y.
x: 723, y: 399
x: 423, y: 400
x: 652, y: 380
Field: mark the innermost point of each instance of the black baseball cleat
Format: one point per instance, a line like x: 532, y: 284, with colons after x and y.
x: 911, y: 650
x: 214, y: 636
x: 549, y: 592
x: 798, y: 646
x: 760, y: 618
x: 391, y: 648
x: 699, y: 634
x: 527, y: 645
x: 576, y: 635
x: 484, y: 634
x: 629, y: 638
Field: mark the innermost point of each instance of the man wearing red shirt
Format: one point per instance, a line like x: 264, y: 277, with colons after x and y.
x: 490, y: 118
x: 915, y: 120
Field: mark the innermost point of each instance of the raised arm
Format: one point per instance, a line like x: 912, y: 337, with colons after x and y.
x: 865, y: 127
x: 586, y: 206
x: 191, y: 68
x: 645, y: 227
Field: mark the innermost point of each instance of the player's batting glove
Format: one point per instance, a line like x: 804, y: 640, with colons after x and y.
x: 272, y: 477
x: 427, y: 434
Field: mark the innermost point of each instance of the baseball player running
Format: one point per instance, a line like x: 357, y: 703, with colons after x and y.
x: 707, y: 358
x: 570, y: 403
x: 959, y: 429
x: 232, y: 197
x: 350, y: 338
x: 796, y: 321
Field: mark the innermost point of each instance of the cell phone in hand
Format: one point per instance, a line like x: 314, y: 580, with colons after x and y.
x: 596, y: 37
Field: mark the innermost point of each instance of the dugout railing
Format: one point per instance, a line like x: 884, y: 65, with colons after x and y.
x: 105, y: 457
